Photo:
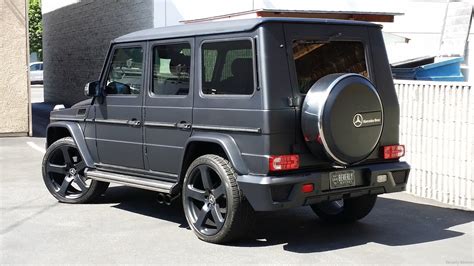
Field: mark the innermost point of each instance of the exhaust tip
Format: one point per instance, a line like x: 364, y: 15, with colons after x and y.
x: 167, y: 199
x: 160, y: 198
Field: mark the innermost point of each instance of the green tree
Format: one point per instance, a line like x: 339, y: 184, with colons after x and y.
x: 35, y: 27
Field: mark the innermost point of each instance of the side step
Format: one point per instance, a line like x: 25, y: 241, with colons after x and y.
x: 138, y: 182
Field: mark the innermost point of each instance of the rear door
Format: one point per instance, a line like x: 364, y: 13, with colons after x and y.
x: 168, y: 105
x: 118, y: 119
x: 317, y: 50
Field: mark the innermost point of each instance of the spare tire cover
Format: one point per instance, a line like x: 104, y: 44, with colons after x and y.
x: 342, y: 115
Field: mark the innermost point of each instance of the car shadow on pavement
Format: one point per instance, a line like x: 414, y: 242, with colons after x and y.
x: 392, y: 222
x: 143, y: 202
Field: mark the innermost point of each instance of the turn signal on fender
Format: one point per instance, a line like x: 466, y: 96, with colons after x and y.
x: 393, y: 151
x: 284, y: 162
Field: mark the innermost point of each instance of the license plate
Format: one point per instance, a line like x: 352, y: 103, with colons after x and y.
x: 342, y: 179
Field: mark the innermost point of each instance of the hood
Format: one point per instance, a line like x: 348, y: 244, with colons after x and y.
x: 83, y: 103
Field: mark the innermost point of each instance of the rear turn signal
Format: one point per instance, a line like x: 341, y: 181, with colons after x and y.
x: 393, y: 151
x: 284, y: 162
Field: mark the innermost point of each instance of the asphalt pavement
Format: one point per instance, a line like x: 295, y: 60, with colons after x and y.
x: 127, y: 225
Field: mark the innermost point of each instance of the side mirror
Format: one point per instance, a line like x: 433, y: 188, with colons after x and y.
x: 92, y: 89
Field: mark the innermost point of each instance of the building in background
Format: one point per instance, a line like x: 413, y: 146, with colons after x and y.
x: 14, y: 103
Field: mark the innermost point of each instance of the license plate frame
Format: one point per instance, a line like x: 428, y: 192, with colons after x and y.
x: 342, y: 179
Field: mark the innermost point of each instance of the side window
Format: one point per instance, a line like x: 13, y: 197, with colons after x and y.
x: 227, y: 68
x: 35, y: 67
x: 171, y: 69
x: 125, y: 72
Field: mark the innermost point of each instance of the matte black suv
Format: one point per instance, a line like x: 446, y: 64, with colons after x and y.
x: 236, y: 117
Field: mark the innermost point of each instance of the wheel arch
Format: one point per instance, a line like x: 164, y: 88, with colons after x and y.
x: 212, y: 143
x: 62, y: 129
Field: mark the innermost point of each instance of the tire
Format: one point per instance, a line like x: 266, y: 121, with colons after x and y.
x: 211, y: 193
x: 345, y: 211
x: 63, y: 174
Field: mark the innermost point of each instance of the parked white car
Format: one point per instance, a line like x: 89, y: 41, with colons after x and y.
x: 36, y: 72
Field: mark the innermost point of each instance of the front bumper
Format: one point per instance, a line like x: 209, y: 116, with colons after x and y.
x: 269, y: 193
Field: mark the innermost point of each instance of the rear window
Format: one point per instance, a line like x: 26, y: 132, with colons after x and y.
x: 316, y: 59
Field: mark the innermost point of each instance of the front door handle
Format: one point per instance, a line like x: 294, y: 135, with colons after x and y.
x: 183, y: 125
x: 134, y: 122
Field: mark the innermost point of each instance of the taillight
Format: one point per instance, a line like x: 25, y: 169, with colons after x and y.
x: 284, y: 162
x: 393, y: 151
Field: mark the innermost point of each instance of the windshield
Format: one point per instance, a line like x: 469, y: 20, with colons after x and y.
x: 316, y: 59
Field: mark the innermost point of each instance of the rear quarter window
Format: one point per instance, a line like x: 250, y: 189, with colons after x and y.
x: 227, y: 68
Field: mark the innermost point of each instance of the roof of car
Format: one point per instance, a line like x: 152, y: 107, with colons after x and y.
x: 226, y: 26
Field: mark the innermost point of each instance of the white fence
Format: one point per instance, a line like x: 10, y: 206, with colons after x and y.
x: 437, y: 127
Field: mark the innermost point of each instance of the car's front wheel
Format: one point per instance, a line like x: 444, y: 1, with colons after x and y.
x: 346, y: 210
x: 213, y: 204
x: 63, y: 174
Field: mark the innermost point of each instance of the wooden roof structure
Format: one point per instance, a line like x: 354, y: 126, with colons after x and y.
x: 276, y: 13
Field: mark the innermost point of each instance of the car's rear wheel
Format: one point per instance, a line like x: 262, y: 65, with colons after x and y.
x: 63, y: 174
x: 346, y: 210
x: 213, y: 204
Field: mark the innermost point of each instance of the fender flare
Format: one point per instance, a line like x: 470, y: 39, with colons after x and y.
x: 226, y: 142
x: 76, y: 133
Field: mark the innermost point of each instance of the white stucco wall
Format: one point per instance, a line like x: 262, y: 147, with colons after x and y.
x: 14, y: 107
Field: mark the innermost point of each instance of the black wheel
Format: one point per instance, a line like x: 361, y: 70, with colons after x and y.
x: 213, y: 203
x: 345, y: 211
x: 63, y: 174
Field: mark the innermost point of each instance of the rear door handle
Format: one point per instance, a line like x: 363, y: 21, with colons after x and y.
x: 134, y: 122
x: 183, y: 125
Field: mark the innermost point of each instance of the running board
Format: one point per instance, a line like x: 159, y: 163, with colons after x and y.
x: 138, y: 182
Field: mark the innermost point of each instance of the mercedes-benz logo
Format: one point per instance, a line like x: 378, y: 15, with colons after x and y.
x: 212, y: 199
x: 72, y: 171
x: 357, y: 120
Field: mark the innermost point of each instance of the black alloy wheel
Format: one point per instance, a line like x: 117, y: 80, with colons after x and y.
x: 63, y: 174
x: 213, y: 204
x: 206, y: 200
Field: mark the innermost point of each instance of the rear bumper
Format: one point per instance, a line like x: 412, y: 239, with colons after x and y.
x: 269, y: 193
